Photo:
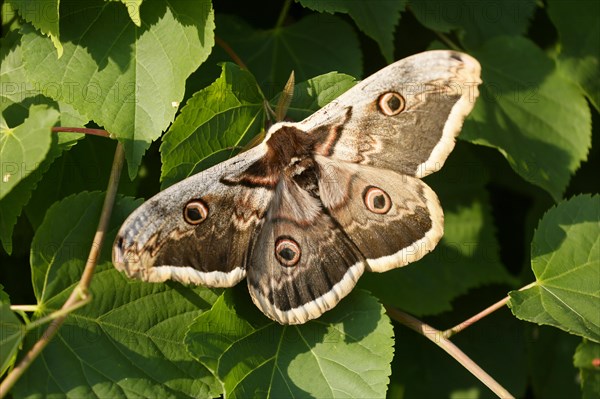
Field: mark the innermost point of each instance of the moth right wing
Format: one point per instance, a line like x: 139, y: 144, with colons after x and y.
x: 393, y: 219
x: 404, y: 117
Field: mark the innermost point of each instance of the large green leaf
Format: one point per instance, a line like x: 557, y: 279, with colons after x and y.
x: 378, y: 19
x: 314, y: 45
x: 579, y: 57
x: 26, y: 152
x: 587, y: 359
x: 12, y: 204
x: 466, y: 257
x: 128, y: 340
x: 345, y: 353
x: 216, y: 120
x: 565, y: 258
x: 129, y: 79
x: 16, y: 98
x: 531, y: 113
x: 478, y: 21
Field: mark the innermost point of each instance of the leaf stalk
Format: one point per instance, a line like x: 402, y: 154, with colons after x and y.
x: 437, y: 337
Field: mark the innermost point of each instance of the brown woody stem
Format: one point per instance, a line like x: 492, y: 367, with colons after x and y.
x: 438, y: 338
x: 85, y: 130
x: 80, y: 293
x: 230, y: 52
x: 460, y: 327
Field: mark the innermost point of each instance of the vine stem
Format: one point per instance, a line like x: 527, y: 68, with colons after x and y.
x: 283, y: 14
x: 470, y: 321
x: 438, y: 338
x: 448, y: 42
x: 223, y: 44
x: 85, y: 130
x: 24, y: 308
x: 80, y: 293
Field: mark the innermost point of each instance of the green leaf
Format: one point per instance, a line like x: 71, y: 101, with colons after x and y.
x: 345, y: 353
x: 23, y: 147
x: 478, y: 21
x: 377, y: 20
x: 12, y: 332
x: 12, y: 204
x: 133, y: 9
x: 223, y: 116
x: 579, y: 57
x: 531, y: 113
x: 126, y: 79
x: 3, y: 295
x: 130, y: 329
x: 466, y: 257
x: 565, y: 258
x: 314, y: 45
x: 16, y: 98
x: 43, y: 14
x: 587, y: 359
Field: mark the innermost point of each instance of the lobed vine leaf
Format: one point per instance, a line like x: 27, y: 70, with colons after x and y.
x: 128, y: 80
x: 579, y: 57
x: 565, y: 258
x: 24, y: 147
x: 345, y: 353
x: 543, y: 136
x: 214, y: 124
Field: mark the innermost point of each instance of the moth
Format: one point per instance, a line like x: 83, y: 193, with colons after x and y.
x: 302, y: 215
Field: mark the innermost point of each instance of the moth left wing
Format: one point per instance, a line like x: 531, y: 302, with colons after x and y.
x: 197, y: 231
x: 301, y: 264
x: 404, y: 117
x: 393, y: 219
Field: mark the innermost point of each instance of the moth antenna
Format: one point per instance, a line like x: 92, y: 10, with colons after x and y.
x: 285, y: 98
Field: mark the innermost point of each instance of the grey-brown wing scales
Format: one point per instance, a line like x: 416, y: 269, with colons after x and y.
x: 197, y: 231
x: 403, y: 118
x: 302, y: 264
x: 393, y: 219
